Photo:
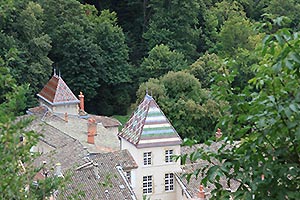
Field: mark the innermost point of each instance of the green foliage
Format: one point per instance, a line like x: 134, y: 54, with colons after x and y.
x: 16, y: 180
x: 205, y: 68
x: 235, y: 34
x: 214, y: 18
x: 174, y: 23
x: 191, y: 110
x: 264, y: 118
x: 160, y: 61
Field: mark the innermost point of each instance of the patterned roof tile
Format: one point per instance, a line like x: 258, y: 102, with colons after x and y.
x: 148, y: 126
x: 56, y: 92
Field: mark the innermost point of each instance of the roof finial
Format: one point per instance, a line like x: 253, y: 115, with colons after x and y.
x: 59, y: 73
x: 151, y: 92
x: 146, y: 90
x: 54, y: 71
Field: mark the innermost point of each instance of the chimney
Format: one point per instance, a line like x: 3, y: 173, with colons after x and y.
x: 201, y: 193
x: 81, y: 98
x: 66, y: 117
x: 92, y: 129
x: 218, y: 133
x: 96, y: 170
x: 58, y: 172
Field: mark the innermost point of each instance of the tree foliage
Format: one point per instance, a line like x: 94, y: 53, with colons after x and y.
x: 17, y: 173
x: 264, y: 119
x: 174, y: 23
x: 190, y: 109
x: 160, y: 61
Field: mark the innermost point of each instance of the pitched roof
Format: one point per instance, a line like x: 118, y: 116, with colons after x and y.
x: 149, y: 127
x: 57, y: 92
x: 106, y: 121
x: 111, y: 184
x: 190, y: 167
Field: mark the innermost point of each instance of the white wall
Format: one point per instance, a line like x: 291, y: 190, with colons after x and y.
x: 158, y: 169
x: 71, y: 109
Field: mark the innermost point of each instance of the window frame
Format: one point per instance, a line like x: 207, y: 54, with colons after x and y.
x: 168, y: 155
x: 148, y: 184
x: 169, y: 182
x: 147, y: 158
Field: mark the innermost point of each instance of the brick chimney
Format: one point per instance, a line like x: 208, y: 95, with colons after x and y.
x: 66, y: 117
x: 92, y: 130
x: 218, y: 133
x: 81, y: 104
x: 201, y: 193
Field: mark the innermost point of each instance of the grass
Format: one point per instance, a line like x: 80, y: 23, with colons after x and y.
x: 122, y: 118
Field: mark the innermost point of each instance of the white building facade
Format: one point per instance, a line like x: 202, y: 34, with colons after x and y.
x: 153, y: 143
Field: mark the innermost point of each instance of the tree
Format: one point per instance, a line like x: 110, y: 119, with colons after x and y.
x: 189, y: 108
x: 175, y: 24
x: 25, y: 46
x: 15, y: 164
x: 205, y: 67
x: 160, y: 61
x: 214, y: 18
x: 264, y: 119
x: 234, y: 35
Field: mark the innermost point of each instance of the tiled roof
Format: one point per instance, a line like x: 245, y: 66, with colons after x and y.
x: 111, y: 183
x: 194, y: 183
x: 149, y: 127
x: 56, y: 92
x: 106, y: 121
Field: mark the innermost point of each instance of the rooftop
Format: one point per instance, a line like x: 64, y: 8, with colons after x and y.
x: 190, y: 167
x: 56, y: 92
x: 109, y: 182
x: 149, y: 127
x: 47, y: 124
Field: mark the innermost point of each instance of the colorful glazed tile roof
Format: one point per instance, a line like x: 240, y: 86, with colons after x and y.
x: 57, y: 92
x: 149, y: 127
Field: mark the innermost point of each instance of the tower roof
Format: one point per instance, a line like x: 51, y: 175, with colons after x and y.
x: 149, y: 127
x: 57, y: 92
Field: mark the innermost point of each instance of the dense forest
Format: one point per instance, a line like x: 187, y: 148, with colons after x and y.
x: 114, y: 51
x: 208, y: 63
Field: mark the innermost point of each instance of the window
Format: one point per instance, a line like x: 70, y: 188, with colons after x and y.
x: 147, y: 184
x: 147, y: 158
x: 169, y: 182
x: 168, y: 156
x: 128, y: 176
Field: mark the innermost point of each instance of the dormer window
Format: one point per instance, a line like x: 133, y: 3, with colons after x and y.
x: 147, y: 158
x: 168, y: 155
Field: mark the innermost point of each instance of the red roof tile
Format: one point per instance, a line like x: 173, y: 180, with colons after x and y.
x: 56, y: 91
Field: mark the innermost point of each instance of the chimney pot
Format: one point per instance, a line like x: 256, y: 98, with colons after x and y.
x: 218, y: 133
x: 66, y: 117
x: 58, y: 172
x: 201, y: 193
x: 96, y: 170
x: 92, y: 129
x: 81, y: 104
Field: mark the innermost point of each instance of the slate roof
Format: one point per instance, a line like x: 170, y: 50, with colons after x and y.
x: 70, y: 153
x: 106, y: 121
x: 190, y: 167
x: 111, y: 183
x: 57, y: 92
x: 149, y: 127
